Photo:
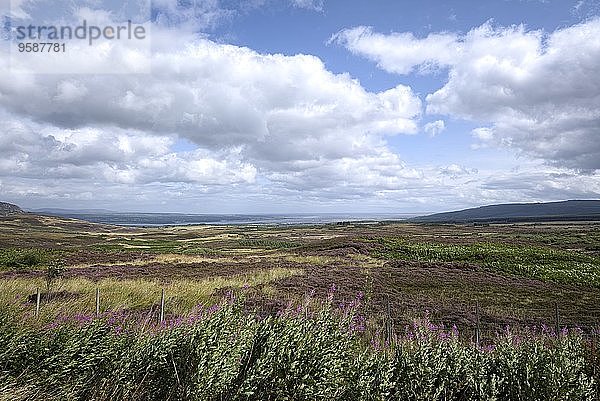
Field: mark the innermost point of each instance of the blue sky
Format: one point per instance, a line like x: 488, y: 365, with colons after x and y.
x: 304, y: 106
x: 280, y: 28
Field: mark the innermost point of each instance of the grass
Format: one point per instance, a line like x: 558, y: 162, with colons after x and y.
x: 543, y: 263
x: 182, y: 295
x: 266, y: 244
x: 154, y: 246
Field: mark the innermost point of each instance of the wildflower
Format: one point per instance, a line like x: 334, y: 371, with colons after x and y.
x: 358, y: 324
x: 488, y: 348
x: 330, y: 292
x: 51, y: 326
x: 230, y: 297
x: 431, y: 326
x: 375, y: 343
x: 546, y: 329
x: 81, y: 318
x: 212, y: 309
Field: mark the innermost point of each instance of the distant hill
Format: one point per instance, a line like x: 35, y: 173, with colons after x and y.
x: 513, y: 212
x: 7, y: 209
x: 60, y: 212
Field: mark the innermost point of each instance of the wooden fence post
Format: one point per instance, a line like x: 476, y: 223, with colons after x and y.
x: 162, y: 306
x: 37, y: 302
x: 556, y: 320
x: 389, y: 329
x: 97, y: 301
x: 477, y: 327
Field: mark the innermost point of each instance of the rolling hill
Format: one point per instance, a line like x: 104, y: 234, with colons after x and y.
x: 7, y: 209
x: 513, y: 212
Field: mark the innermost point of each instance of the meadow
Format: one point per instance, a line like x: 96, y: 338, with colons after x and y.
x: 339, y: 311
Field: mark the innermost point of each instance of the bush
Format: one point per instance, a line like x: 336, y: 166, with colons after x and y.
x: 226, y: 354
x: 22, y: 258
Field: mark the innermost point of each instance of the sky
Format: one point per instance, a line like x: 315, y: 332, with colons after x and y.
x: 303, y: 106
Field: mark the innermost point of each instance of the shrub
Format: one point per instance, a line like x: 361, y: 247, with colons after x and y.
x: 224, y: 353
x: 22, y: 258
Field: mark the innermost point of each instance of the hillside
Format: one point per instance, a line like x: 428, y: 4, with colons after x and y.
x: 7, y: 209
x: 551, y: 211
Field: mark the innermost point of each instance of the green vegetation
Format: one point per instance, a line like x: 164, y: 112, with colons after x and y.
x: 266, y: 244
x: 13, y: 258
x: 223, y: 353
x: 536, y: 262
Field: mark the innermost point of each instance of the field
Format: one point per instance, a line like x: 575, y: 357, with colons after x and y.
x: 343, y: 311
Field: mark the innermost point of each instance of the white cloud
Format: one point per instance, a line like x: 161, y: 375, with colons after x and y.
x: 220, y: 96
x: 192, y: 15
x: 314, y: 5
x: 14, y: 9
x: 265, y: 122
x: 264, y: 128
x: 400, y: 53
x: 539, y: 92
x: 435, y: 127
x: 30, y: 150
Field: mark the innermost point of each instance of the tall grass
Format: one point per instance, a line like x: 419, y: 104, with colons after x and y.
x: 223, y: 353
x: 77, y: 295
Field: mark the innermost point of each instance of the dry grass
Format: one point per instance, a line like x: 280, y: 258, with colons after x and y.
x: 140, y: 294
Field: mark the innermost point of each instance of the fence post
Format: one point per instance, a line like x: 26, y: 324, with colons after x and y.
x: 477, y: 327
x: 37, y: 302
x: 389, y: 322
x: 162, y: 306
x: 97, y: 301
x: 556, y: 320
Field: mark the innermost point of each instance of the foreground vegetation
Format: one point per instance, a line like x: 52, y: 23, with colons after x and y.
x: 225, y: 353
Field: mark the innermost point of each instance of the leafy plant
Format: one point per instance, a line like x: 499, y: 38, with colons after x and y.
x: 223, y: 353
x: 54, y: 271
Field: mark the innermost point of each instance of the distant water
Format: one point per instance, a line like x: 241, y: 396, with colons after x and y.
x: 172, y: 219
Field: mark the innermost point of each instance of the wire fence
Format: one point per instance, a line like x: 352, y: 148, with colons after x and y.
x: 476, y: 321
x: 483, y: 323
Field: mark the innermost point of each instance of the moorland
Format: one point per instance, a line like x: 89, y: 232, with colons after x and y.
x: 473, y: 285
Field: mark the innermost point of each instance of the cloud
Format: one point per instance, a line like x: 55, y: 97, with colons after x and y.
x: 538, y: 92
x: 259, y: 129
x: 266, y: 122
x: 193, y: 15
x: 219, y: 96
x: 30, y: 150
x: 314, y: 5
x: 435, y: 127
x: 126, y: 169
x: 14, y: 9
x: 399, y: 53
